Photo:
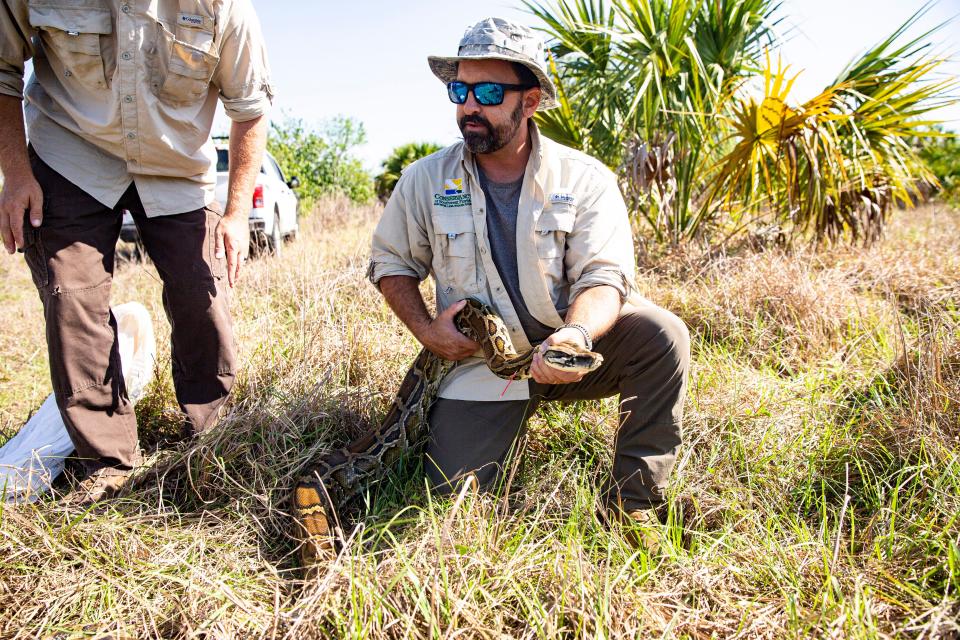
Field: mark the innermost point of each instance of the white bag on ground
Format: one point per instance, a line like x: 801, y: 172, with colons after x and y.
x: 32, y: 458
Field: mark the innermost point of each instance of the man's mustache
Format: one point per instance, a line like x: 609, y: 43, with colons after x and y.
x: 475, y: 119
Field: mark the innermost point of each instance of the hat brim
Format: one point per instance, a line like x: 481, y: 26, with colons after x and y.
x: 445, y: 68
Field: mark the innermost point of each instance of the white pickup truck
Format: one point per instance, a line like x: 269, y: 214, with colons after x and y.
x: 274, y: 212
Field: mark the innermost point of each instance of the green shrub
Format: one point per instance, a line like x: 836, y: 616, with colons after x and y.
x: 322, y: 160
x: 397, y: 161
x: 942, y: 155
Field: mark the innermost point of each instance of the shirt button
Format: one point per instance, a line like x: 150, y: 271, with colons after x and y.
x: 126, y: 55
x: 128, y: 99
x: 483, y: 250
x: 131, y: 135
x: 125, y: 8
x: 67, y: 73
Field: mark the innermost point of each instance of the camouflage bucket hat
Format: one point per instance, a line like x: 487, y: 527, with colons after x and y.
x: 499, y: 39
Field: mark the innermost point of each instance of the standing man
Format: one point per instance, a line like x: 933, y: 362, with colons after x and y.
x: 539, y: 232
x: 118, y: 114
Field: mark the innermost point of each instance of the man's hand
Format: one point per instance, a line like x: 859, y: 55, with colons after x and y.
x: 439, y: 335
x: 443, y: 338
x: 596, y: 309
x: 20, y: 193
x: 233, y: 241
x: 247, y: 142
x: 543, y: 372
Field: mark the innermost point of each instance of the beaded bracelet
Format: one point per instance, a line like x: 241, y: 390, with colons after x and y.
x: 582, y: 329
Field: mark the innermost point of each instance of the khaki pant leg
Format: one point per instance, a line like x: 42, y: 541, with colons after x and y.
x: 71, y: 258
x: 646, y: 356
x: 473, y: 437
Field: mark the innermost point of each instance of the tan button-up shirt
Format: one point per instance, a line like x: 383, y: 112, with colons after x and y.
x: 121, y: 90
x: 572, y: 234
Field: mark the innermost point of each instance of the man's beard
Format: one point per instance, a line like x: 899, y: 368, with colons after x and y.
x: 495, y: 138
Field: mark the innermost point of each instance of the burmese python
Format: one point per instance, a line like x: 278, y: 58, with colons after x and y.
x: 341, y: 475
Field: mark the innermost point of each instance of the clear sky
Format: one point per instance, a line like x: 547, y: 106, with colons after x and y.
x: 367, y: 58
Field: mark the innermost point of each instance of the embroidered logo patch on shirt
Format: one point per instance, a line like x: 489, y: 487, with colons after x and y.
x: 452, y: 201
x: 452, y: 186
x: 190, y: 20
x: 453, y: 195
x: 563, y: 198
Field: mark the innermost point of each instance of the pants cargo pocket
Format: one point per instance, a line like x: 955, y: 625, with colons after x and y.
x: 35, y: 256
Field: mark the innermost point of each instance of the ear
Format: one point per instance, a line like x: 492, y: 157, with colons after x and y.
x: 531, y: 100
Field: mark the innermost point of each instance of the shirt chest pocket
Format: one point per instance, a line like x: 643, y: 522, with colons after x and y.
x: 552, y: 228
x: 184, y: 70
x: 456, y: 240
x: 70, y: 38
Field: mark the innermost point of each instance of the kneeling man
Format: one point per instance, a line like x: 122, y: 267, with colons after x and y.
x: 540, y: 233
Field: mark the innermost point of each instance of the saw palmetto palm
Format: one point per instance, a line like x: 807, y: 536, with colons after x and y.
x: 837, y: 163
x: 639, y: 82
x: 397, y: 161
x: 656, y: 89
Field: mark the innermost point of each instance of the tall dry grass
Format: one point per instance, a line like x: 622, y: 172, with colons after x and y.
x: 816, y: 493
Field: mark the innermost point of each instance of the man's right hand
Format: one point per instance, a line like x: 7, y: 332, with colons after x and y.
x: 443, y: 338
x: 20, y: 193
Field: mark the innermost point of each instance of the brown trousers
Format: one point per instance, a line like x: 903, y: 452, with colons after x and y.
x: 71, y: 257
x: 645, y: 359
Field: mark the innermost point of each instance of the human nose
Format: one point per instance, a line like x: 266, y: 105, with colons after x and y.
x: 471, y: 105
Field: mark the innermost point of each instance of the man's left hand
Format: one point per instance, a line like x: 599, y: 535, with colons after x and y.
x: 233, y: 241
x: 543, y: 372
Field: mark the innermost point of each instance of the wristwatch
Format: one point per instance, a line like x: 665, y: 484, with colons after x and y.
x: 588, y: 341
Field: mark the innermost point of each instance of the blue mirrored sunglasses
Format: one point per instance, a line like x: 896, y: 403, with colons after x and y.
x: 488, y: 94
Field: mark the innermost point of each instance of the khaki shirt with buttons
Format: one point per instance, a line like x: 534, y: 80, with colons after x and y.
x: 573, y: 233
x: 126, y: 90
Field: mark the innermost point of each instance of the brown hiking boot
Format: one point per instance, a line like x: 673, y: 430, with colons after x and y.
x: 102, y: 484
x: 642, y: 528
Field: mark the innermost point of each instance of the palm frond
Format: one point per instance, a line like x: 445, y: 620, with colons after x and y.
x: 656, y: 88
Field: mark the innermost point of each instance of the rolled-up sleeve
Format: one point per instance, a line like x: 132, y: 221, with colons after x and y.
x: 243, y: 73
x: 15, y: 47
x: 401, y: 245
x: 600, y: 246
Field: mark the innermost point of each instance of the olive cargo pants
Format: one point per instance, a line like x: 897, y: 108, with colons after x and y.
x: 71, y: 259
x: 645, y: 359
